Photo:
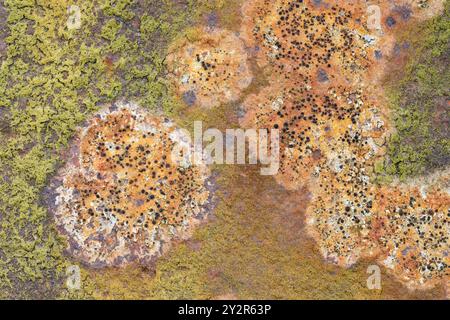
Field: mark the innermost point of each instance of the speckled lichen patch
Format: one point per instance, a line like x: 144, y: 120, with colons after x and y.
x: 412, y: 228
x: 123, y: 198
x: 307, y: 42
x: 317, y: 95
x: 211, y: 70
x: 406, y: 227
x: 334, y: 127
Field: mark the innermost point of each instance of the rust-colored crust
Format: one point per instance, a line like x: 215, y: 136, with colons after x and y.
x: 210, y: 71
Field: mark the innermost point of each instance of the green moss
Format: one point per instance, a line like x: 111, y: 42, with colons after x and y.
x: 419, y: 104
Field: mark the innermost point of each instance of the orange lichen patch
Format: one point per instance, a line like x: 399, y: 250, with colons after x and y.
x: 308, y: 40
x: 340, y: 212
x: 212, y: 70
x: 300, y: 39
x: 122, y: 197
x: 405, y: 227
x: 319, y: 56
x: 412, y: 229
x: 333, y: 127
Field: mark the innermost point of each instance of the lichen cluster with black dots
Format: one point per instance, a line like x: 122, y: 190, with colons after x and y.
x: 123, y: 196
x: 211, y: 70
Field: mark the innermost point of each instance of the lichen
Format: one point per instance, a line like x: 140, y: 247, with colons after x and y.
x: 212, y: 70
x: 419, y: 99
x: 333, y: 133
x: 51, y: 79
x: 124, y: 197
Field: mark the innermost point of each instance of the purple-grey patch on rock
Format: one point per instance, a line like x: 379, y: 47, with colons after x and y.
x: 189, y: 97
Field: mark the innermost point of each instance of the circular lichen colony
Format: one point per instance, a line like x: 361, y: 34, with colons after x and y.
x: 212, y: 70
x: 122, y: 198
x: 317, y: 56
x: 333, y: 129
